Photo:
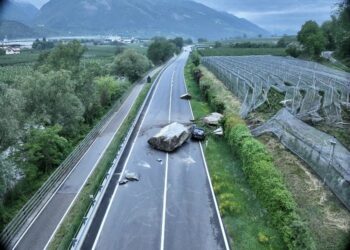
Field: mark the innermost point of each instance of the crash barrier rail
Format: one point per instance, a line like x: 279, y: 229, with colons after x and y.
x: 13, y: 231
x: 96, y: 199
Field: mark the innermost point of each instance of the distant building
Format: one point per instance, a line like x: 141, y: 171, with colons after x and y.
x: 11, y: 50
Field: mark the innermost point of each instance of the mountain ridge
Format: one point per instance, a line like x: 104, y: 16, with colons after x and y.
x: 143, y: 18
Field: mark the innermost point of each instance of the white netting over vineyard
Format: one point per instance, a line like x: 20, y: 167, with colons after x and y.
x: 327, y: 157
x: 312, y: 91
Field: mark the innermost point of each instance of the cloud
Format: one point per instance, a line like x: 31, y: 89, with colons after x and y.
x: 275, y: 15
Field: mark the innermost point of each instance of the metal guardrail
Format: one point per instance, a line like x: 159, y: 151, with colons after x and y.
x: 11, y: 233
x: 80, y: 235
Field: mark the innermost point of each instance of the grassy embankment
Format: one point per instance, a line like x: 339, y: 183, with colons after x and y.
x: 328, y: 220
x: 245, y: 219
x: 74, y: 218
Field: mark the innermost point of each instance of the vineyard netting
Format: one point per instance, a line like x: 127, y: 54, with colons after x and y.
x: 327, y: 157
x: 312, y: 92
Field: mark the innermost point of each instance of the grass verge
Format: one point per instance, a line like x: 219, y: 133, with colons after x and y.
x: 246, y: 221
x: 73, y: 220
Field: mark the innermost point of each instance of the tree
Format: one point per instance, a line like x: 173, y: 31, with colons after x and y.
x: 64, y: 56
x: 131, y: 64
x: 293, y: 49
x: 2, y: 52
x: 217, y: 44
x: 179, y: 43
x: 311, y: 37
x: 328, y: 29
x: 44, y: 148
x: 51, y: 99
x: 160, y: 50
x: 282, y: 43
x: 42, y: 45
x: 343, y: 32
x: 87, y: 90
x: 202, y: 40
x: 110, y: 89
x: 188, y: 41
x: 11, y: 115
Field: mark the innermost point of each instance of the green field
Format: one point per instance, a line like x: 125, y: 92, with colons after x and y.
x: 26, y: 56
x: 242, y: 51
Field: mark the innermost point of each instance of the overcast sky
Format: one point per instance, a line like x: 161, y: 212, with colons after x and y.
x: 276, y: 16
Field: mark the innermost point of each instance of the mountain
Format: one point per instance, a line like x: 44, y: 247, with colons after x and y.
x: 14, y: 29
x: 18, y: 11
x: 142, y: 18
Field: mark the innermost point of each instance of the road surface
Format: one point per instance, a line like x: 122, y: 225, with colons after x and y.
x: 46, y: 223
x: 172, y: 206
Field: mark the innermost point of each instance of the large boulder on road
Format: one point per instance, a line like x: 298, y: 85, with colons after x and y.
x: 170, y: 137
x: 213, y: 119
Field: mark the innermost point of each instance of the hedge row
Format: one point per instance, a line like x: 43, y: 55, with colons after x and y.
x: 261, y: 173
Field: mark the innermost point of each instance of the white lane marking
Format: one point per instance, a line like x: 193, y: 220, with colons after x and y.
x: 208, y: 176
x: 63, y: 182
x: 98, y: 160
x: 126, y: 162
x: 164, y: 202
x: 165, y: 192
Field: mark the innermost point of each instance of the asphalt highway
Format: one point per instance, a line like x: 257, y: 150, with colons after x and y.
x: 172, y: 206
x: 43, y: 227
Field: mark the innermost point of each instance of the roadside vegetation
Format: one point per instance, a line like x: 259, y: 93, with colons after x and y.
x: 332, y: 35
x: 48, y: 105
x: 74, y: 218
x: 53, y: 99
x: 259, y: 170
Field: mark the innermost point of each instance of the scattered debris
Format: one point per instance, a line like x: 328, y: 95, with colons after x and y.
x: 123, y: 182
x: 219, y: 131
x: 213, y: 119
x: 186, y: 96
x: 170, y: 137
x: 198, y: 133
x: 132, y: 177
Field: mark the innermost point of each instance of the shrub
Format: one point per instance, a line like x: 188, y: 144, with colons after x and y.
x: 262, y: 238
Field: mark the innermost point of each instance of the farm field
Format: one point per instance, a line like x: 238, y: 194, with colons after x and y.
x: 319, y: 97
x: 242, y: 51
x: 26, y: 57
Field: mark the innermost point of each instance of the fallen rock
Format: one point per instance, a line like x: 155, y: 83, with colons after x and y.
x: 123, y: 182
x: 132, y: 177
x: 186, y: 96
x: 219, y: 131
x: 213, y: 119
x: 170, y: 137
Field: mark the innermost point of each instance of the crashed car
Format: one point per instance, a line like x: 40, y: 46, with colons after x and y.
x: 197, y: 133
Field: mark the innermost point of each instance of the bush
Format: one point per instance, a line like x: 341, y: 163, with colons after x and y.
x: 131, y: 64
x: 262, y: 238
